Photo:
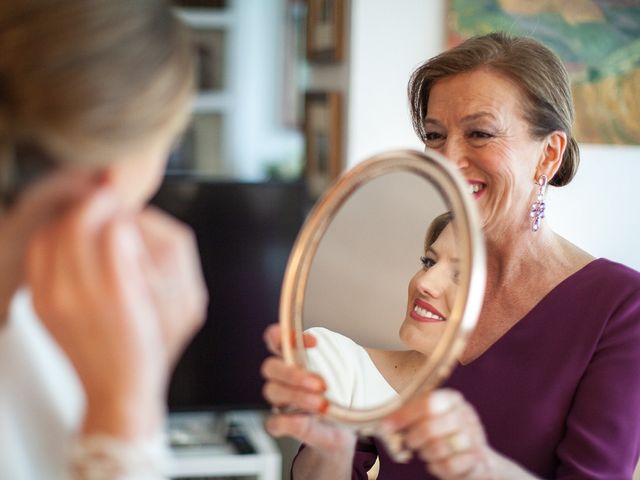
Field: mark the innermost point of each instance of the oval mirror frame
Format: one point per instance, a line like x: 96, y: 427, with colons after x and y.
x: 433, y: 168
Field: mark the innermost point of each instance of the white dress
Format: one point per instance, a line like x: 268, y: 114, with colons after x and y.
x: 41, y: 399
x: 352, y: 378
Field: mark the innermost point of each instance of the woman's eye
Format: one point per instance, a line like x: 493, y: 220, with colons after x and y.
x: 433, y: 137
x: 427, y: 262
x: 480, y: 135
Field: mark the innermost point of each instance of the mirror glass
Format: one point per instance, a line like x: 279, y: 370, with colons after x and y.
x: 388, y: 276
x: 374, y: 289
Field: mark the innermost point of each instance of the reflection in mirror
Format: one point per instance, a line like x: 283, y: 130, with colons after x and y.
x: 380, y: 289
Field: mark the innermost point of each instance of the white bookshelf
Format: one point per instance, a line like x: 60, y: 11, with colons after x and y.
x: 207, y: 152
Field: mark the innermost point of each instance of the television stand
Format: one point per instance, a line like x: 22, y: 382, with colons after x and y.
x: 212, y: 445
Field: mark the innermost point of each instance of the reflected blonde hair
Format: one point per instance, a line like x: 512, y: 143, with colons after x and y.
x: 101, y: 73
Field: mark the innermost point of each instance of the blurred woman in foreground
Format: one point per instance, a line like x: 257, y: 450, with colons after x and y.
x: 93, y: 96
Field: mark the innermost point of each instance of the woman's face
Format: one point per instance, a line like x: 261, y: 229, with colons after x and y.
x: 432, y: 292
x: 136, y: 174
x: 475, y: 119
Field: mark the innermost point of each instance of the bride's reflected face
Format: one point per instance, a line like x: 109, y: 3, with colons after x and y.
x: 431, y: 293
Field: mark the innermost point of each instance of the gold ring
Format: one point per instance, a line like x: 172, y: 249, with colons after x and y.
x: 457, y: 442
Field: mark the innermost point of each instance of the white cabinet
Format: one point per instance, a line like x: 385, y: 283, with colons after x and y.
x: 220, y: 459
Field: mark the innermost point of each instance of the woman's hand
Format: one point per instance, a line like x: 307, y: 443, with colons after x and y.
x: 445, y: 431
x: 329, y: 447
x: 34, y: 207
x: 171, y: 268
x: 294, y: 387
x: 121, y: 294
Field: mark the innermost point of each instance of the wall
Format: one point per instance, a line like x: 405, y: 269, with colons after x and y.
x: 598, y: 210
x: 389, y: 39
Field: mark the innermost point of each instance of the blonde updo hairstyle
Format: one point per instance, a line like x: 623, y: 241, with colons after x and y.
x: 86, y: 79
x: 535, y: 69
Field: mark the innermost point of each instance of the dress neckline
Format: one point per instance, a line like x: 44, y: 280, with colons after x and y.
x: 540, y: 304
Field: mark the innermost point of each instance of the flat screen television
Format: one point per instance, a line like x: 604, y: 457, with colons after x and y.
x: 245, y: 232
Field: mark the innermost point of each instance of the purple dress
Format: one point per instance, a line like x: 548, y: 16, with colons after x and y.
x: 559, y: 393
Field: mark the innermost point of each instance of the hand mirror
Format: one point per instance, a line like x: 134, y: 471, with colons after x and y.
x: 388, y: 275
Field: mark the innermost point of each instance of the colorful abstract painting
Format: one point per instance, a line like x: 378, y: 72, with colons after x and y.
x: 599, y: 42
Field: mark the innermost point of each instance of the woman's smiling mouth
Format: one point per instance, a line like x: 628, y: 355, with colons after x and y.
x: 425, y: 312
x: 476, y: 188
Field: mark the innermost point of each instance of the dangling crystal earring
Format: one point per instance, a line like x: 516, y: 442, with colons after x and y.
x: 537, y: 209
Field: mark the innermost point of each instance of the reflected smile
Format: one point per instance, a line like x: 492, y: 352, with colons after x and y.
x: 476, y: 188
x: 425, y: 312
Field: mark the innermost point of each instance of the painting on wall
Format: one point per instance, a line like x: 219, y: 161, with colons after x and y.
x: 598, y: 41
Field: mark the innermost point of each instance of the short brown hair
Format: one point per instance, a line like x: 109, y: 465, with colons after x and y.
x: 108, y: 72
x: 537, y: 71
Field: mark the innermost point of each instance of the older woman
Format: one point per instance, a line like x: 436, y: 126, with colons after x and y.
x: 547, y: 385
x: 93, y: 94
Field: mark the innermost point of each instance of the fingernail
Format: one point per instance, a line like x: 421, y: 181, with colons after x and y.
x: 309, y: 341
x: 324, y: 406
x: 438, y: 403
x: 323, y: 385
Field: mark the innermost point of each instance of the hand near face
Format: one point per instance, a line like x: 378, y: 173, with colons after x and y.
x: 296, y: 388
x: 444, y: 430
x: 34, y: 207
x: 171, y: 267
x: 122, y: 295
